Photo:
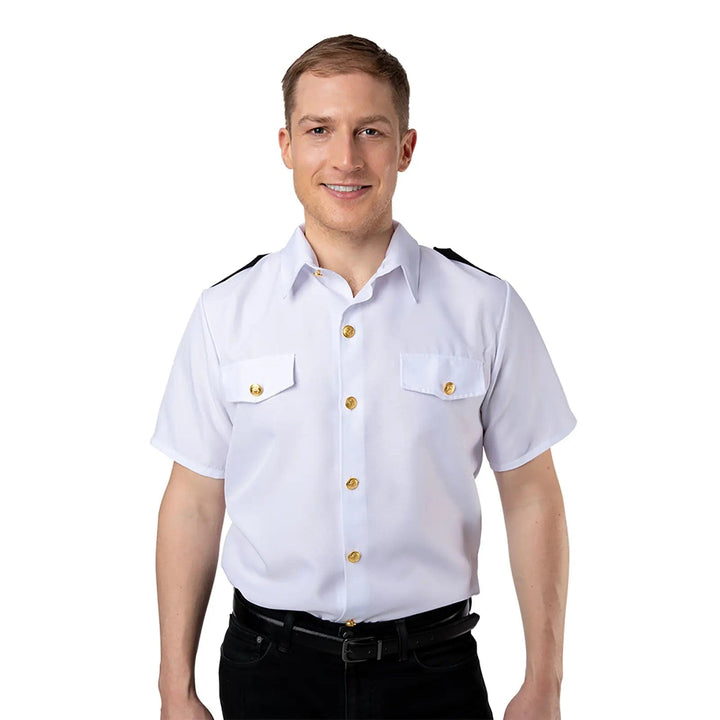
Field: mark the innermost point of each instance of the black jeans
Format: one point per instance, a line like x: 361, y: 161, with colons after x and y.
x: 257, y: 680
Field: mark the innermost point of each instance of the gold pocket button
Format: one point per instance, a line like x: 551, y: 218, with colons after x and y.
x: 256, y: 389
x: 449, y: 388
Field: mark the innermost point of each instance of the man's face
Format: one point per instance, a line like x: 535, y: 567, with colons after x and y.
x: 345, y: 132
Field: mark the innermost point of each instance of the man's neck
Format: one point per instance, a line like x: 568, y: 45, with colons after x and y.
x: 354, y: 256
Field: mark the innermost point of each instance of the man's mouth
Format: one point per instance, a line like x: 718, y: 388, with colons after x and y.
x: 345, y: 188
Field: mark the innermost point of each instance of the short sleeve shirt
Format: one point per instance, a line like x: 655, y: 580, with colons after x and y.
x: 349, y: 431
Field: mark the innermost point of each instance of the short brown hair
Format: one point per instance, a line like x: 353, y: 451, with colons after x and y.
x: 345, y: 54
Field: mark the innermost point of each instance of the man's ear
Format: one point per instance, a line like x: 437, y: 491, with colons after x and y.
x: 407, y: 148
x: 285, y: 147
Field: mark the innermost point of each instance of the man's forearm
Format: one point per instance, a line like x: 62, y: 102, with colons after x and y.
x: 538, y: 546
x: 188, y: 539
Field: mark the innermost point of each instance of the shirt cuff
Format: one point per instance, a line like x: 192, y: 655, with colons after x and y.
x: 535, y: 450
x: 200, y: 468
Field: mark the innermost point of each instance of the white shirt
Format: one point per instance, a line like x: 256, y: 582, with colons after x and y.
x: 368, y: 510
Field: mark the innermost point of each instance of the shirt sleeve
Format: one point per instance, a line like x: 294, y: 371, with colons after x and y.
x: 525, y: 410
x: 193, y: 426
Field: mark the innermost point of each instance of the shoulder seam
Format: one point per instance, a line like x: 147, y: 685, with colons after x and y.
x: 450, y: 254
x: 206, y: 322
x: 244, y: 267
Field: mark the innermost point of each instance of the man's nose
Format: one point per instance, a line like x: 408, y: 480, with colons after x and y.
x: 346, y: 154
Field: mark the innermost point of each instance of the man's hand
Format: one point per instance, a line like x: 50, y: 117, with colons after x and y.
x: 533, y: 704
x: 189, y: 709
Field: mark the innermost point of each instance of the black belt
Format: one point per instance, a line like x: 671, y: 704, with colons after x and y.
x: 362, y: 641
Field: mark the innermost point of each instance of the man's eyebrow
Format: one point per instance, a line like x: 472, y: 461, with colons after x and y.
x: 325, y: 119
x: 322, y: 119
x: 372, y: 119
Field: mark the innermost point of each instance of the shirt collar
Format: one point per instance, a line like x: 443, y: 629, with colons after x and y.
x: 403, y: 250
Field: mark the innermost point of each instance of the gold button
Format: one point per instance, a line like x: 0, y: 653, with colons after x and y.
x: 351, y: 403
x: 256, y: 389
x: 318, y: 272
x: 350, y: 622
x: 352, y: 483
x: 348, y: 331
x: 354, y: 556
x: 449, y: 388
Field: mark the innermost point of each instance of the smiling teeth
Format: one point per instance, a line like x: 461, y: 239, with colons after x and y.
x: 345, y: 188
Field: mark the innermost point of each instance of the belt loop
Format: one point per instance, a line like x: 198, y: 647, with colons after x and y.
x: 284, y: 644
x: 403, y: 639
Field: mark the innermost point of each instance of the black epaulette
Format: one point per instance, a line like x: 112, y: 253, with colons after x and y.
x: 244, y: 267
x: 452, y: 255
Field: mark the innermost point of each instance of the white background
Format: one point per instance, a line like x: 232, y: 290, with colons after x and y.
x: 569, y: 147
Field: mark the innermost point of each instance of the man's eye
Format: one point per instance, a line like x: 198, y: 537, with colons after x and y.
x: 317, y: 131
x: 372, y: 132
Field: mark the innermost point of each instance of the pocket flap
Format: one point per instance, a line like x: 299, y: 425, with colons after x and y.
x: 449, y: 377
x: 257, y: 379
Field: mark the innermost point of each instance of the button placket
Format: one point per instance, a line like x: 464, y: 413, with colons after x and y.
x: 352, y: 465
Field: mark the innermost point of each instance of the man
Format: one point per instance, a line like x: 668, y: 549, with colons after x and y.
x: 336, y: 397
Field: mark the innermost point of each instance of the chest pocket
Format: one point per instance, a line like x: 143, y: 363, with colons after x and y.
x: 448, y: 377
x: 257, y: 379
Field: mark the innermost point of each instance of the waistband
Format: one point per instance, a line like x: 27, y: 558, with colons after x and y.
x: 307, y: 620
x: 362, y: 641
